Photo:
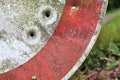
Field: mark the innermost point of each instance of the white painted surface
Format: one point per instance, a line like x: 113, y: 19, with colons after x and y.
x: 45, y: 21
x: 62, y: 1
x: 11, y: 51
x: 17, y: 19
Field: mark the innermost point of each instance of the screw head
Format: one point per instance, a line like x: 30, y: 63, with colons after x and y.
x: 34, y: 78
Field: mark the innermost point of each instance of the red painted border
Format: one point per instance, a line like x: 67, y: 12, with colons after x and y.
x: 65, y: 47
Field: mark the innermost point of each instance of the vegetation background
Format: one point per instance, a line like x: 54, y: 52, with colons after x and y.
x: 113, y: 4
x: 103, y: 63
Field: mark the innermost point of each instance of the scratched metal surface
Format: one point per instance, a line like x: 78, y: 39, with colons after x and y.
x: 47, y: 39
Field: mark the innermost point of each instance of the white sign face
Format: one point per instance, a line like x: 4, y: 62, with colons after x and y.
x: 25, y: 27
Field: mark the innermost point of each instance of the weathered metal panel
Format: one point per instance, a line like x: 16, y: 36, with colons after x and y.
x: 25, y: 27
x: 47, y: 39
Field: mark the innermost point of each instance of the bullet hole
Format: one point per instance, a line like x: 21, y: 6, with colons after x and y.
x: 31, y: 34
x: 47, y: 13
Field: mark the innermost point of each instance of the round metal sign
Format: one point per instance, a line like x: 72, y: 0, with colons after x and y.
x: 47, y: 39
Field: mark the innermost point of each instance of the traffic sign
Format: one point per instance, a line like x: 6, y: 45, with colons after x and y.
x: 47, y: 39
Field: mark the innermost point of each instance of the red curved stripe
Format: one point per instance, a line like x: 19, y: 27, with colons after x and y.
x: 66, y: 45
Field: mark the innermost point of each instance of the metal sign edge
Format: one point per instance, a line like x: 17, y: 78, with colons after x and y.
x: 91, y: 44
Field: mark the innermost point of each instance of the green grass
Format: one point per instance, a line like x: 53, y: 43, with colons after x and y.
x: 110, y: 32
x: 107, y: 44
x: 113, y: 11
